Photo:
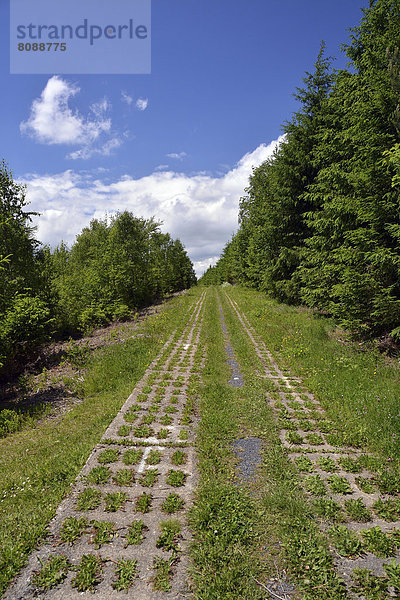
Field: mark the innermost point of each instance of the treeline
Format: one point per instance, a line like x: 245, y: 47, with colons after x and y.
x: 320, y: 221
x: 115, y: 266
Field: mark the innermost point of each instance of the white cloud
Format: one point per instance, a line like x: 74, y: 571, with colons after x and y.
x: 177, y: 155
x: 52, y: 121
x: 141, y: 103
x: 161, y: 167
x: 126, y: 98
x: 199, y: 209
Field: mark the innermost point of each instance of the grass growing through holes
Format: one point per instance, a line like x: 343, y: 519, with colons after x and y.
x: 103, y: 532
x: 168, y: 539
x: 99, y: 475
x: 135, y: 534
x: 72, y: 529
x: 51, y: 455
x: 89, y: 499
x: 231, y: 526
x: 89, y: 573
x: 172, y: 504
x: 132, y: 456
x: 115, y: 501
x: 143, y: 503
x: 162, y: 574
x: 52, y: 572
x: 175, y: 478
x: 356, y: 386
x: 126, y: 572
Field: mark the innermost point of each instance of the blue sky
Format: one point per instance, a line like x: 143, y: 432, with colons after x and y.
x: 179, y: 143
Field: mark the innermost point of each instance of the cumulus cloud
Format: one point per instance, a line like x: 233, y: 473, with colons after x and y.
x: 52, y: 121
x: 201, y: 210
x: 141, y: 103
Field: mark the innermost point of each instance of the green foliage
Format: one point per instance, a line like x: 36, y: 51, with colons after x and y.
x: 345, y: 541
x: 89, y: 573
x: 135, y: 533
x: 73, y: 528
x: 320, y: 221
x: 52, y: 572
x: 126, y: 572
x: 172, y: 504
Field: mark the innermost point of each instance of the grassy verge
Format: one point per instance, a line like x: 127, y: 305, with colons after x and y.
x: 358, y: 387
x: 247, y: 535
x: 38, y: 465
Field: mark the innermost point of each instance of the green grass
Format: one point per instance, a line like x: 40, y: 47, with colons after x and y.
x: 143, y: 503
x: 126, y: 572
x: 115, y: 501
x: 38, y: 465
x: 73, y: 528
x: 176, y: 478
x: 99, y: 475
x: 169, y: 536
x: 154, y: 457
x: 124, y: 477
x: 103, y: 533
x: 135, y: 534
x: 89, y: 573
x: 107, y: 456
x: 89, y: 499
x: 132, y: 456
x: 173, y: 503
x: 162, y: 574
x: 149, y: 478
x: 52, y: 572
x: 356, y: 386
x: 232, y: 526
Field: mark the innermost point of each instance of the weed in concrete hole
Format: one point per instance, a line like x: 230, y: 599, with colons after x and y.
x: 143, y: 503
x: 108, y: 456
x: 178, y: 458
x: 154, y: 457
x: 308, y: 403
x: 52, y: 572
x: 357, y: 510
x: 170, y: 409
x: 89, y: 499
x: 103, y: 533
x: 170, y: 533
x: 350, y: 464
x: 73, y: 528
x: 135, y: 534
x: 328, y: 509
x: 99, y: 475
x: 131, y: 417
x: 295, y: 404
x: 389, y: 510
x: 124, y: 430
x: 186, y: 420
x: 149, y: 478
x: 143, y: 431
x: 314, y: 484
x: 388, y: 482
x: 294, y: 438
x: 315, y: 415
x: 126, y: 572
x: 148, y: 419
x: 304, y: 464
x: 315, y: 439
x: 146, y: 389
x: 176, y: 478
x: 172, y: 504
x: 378, y: 542
x: 325, y: 426
x: 305, y: 425
x: 335, y: 439
x: 326, y: 463
x: 89, y: 573
x: 345, y: 541
x: 174, y: 399
x: 393, y: 572
x: 162, y: 574
x: 132, y: 456
x: 163, y: 434
x: 366, y: 485
x: 165, y: 420
x: 288, y: 424
x: 369, y: 585
x: 339, y: 485
x: 124, y: 477
x: 115, y: 501
x: 142, y: 397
